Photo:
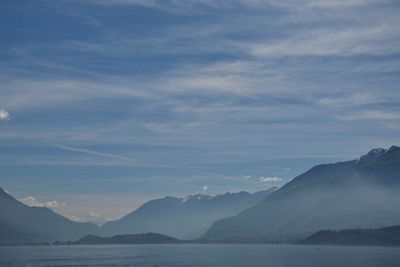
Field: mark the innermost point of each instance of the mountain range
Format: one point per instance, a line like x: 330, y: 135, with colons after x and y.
x: 356, y: 194
x: 361, y: 193
x: 184, y: 218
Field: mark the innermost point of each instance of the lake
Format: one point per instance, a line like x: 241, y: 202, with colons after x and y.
x: 194, y: 255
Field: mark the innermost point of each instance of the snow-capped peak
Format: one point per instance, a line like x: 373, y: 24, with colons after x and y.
x: 195, y: 196
x: 371, y: 155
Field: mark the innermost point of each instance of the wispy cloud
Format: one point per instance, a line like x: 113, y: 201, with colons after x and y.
x: 334, y: 42
x: 339, y: 3
x: 356, y: 99
x: 370, y: 115
x: 34, y: 202
x: 233, y: 3
x: 19, y: 93
x: 268, y: 179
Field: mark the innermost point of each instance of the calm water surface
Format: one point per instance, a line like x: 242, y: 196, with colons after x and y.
x: 199, y: 255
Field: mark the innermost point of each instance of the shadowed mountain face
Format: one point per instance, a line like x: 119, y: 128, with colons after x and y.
x: 363, y: 193
x: 184, y: 218
x: 20, y: 224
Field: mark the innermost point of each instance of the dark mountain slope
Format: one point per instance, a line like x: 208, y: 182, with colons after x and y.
x: 22, y: 224
x: 388, y: 236
x: 362, y: 193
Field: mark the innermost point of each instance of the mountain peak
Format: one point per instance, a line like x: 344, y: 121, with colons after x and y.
x: 378, y: 153
x: 393, y: 149
x: 273, y: 189
x: 371, y: 155
x: 195, y: 196
x: 4, y: 194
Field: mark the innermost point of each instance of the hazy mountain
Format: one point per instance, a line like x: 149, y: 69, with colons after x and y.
x: 388, y: 236
x: 23, y: 224
x: 184, y: 218
x: 363, y: 193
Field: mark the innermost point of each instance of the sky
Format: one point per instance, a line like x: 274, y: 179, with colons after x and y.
x: 105, y: 104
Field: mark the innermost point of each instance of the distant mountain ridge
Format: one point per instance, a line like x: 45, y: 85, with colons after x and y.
x: 357, y: 194
x: 362, y: 193
x: 147, y: 238
x: 387, y: 236
x: 185, y: 218
x: 21, y: 224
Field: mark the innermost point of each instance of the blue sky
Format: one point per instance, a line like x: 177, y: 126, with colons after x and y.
x: 105, y: 104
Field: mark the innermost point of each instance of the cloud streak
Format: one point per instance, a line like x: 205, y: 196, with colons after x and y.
x: 93, y: 153
x: 371, y: 115
x: 334, y: 42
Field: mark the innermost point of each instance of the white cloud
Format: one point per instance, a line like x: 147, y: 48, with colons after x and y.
x: 266, y: 179
x: 205, y: 188
x: 355, y: 99
x: 34, y: 202
x: 4, y: 115
x: 72, y: 217
x: 93, y: 214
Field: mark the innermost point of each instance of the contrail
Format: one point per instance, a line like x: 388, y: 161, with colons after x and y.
x: 93, y: 152
x: 113, y: 156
